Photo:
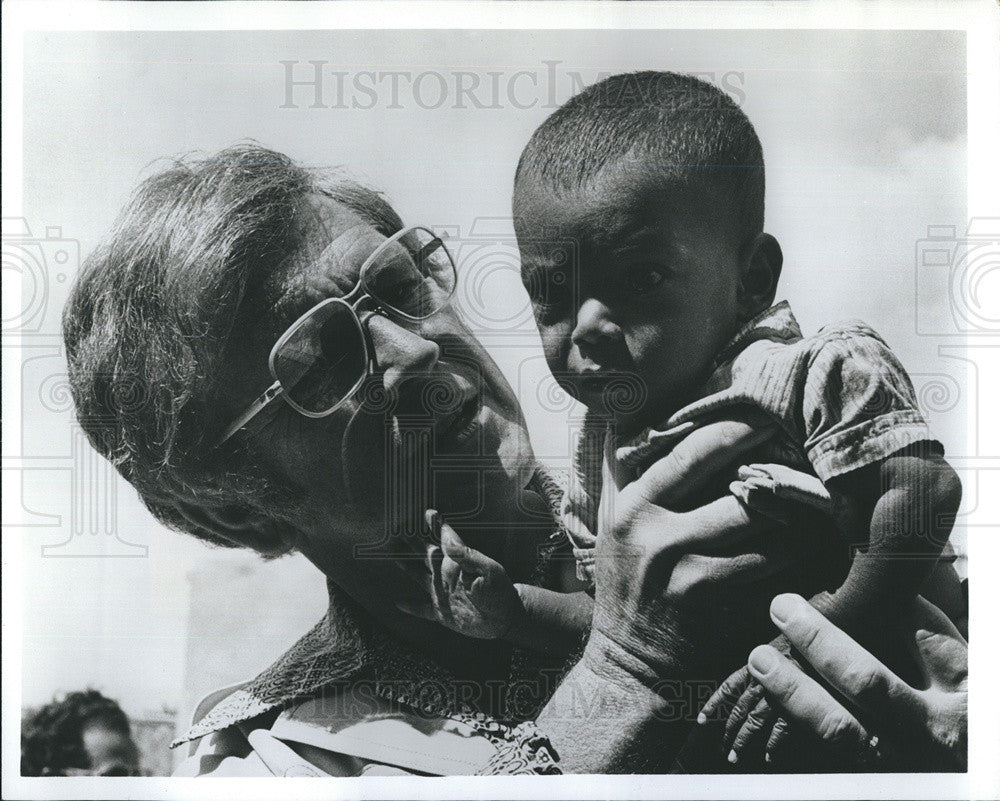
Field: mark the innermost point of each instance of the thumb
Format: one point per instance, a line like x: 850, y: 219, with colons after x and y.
x: 468, y: 559
x: 943, y: 653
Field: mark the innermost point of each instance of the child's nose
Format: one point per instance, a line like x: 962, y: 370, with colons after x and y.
x: 593, y: 324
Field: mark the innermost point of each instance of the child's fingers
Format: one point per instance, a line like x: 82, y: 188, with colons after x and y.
x: 468, y: 559
x: 805, y: 701
x: 433, y: 520
x: 478, y: 589
x: 762, y: 501
x: 777, y: 743
x: 755, y: 728
x: 726, y: 696
x: 744, y: 706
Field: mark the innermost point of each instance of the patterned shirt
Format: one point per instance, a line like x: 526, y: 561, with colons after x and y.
x: 840, y: 398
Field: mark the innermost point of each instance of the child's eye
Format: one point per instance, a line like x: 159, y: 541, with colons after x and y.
x: 642, y: 278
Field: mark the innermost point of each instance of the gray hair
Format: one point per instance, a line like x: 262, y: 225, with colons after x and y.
x: 152, y: 314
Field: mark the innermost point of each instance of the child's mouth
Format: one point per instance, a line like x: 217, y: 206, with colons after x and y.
x: 612, y: 391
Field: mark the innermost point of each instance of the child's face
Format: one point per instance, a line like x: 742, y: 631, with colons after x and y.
x: 634, y: 284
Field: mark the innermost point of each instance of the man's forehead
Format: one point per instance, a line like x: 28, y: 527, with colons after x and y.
x: 333, y: 242
x: 333, y: 237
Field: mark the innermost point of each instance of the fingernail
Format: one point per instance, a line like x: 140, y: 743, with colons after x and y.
x: 702, y: 720
x: 762, y: 660
x: 782, y: 607
x: 767, y: 757
x: 733, y: 758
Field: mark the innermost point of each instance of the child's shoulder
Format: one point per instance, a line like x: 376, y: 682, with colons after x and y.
x: 837, y: 341
x: 842, y: 349
x: 851, y: 341
x: 845, y: 331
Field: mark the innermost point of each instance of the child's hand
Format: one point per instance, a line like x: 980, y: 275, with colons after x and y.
x: 467, y: 591
x: 753, y: 725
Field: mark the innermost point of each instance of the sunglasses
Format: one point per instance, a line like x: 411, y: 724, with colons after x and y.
x: 324, y: 357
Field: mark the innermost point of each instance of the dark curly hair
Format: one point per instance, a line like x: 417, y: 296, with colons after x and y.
x: 52, y: 737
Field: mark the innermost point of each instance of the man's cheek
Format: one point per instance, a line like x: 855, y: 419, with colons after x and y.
x: 366, y: 452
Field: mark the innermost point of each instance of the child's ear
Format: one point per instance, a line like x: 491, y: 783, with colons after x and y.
x: 760, y: 268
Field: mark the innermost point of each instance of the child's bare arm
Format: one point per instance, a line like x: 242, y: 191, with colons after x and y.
x: 552, y: 620
x: 913, y: 496
x: 904, y: 510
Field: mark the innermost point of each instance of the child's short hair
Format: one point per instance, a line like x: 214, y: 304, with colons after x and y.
x: 677, y: 122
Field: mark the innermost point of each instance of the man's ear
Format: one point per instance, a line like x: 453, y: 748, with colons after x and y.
x: 240, y: 527
x: 760, y: 268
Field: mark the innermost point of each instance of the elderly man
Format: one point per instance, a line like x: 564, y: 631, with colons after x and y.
x: 270, y: 358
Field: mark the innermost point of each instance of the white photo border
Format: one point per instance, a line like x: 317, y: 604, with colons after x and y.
x: 981, y: 23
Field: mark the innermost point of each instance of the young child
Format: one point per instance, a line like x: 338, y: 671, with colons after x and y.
x: 639, y: 208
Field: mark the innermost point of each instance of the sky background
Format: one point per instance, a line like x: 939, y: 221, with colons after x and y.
x: 864, y: 137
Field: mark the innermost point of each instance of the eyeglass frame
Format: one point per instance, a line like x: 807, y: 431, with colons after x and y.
x: 276, y: 390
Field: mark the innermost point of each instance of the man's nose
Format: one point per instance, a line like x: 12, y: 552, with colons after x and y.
x: 401, y: 353
x: 594, y: 324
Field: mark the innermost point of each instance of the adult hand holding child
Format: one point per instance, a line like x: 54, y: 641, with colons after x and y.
x: 866, y: 710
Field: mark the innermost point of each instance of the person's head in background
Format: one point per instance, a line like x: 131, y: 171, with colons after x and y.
x: 83, y: 733
x: 639, y: 211
x: 169, y: 333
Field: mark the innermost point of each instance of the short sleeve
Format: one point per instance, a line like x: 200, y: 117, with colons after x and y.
x: 858, y: 403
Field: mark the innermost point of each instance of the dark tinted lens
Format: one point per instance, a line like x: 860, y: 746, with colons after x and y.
x: 413, y: 275
x: 323, y: 359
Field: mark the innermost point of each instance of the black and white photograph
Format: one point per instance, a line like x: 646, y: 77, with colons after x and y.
x: 502, y: 399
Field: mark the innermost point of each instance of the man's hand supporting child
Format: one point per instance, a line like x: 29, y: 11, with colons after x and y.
x: 912, y: 497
